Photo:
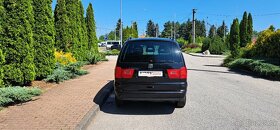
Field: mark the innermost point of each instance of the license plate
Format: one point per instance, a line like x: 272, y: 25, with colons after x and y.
x: 150, y: 74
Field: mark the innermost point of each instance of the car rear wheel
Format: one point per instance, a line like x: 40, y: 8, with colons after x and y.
x: 181, y: 103
x: 119, y: 102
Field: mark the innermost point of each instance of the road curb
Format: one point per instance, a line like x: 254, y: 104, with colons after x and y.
x: 210, y: 56
x: 83, y: 124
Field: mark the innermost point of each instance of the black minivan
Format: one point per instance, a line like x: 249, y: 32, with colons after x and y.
x: 151, y: 69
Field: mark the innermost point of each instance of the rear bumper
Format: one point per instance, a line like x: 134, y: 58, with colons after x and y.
x: 154, y: 93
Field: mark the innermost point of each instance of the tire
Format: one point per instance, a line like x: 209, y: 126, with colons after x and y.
x: 181, y: 103
x: 118, y: 102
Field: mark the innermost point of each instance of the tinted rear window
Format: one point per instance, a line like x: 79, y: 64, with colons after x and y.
x: 151, y: 51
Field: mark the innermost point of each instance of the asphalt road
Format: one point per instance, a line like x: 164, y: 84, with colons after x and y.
x: 217, y: 99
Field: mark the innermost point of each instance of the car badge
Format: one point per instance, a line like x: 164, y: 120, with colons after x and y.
x: 150, y: 66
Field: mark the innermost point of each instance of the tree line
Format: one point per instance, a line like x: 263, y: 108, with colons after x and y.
x: 30, y: 33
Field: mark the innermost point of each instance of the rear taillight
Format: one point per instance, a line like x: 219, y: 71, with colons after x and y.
x: 177, y: 73
x: 121, y: 73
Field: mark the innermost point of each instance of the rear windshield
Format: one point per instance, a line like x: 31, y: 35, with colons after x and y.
x: 151, y: 51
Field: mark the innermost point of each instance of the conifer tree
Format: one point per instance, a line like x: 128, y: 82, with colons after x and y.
x: 2, y: 58
x: 250, y: 27
x: 234, y: 38
x: 19, y: 68
x: 91, y: 29
x: 43, y: 34
x: 244, y: 30
x: 62, y: 34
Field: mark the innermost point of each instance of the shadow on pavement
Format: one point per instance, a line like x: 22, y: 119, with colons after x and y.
x: 213, y: 65
x: 137, y: 108
x: 212, y: 71
x: 103, y: 94
x: 130, y: 108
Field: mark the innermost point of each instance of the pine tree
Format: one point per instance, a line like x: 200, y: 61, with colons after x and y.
x: 166, y: 33
x: 250, y: 27
x: 19, y: 68
x: 212, y: 31
x: 234, y: 38
x: 91, y: 29
x: 157, y: 30
x: 135, y: 29
x: 222, y: 30
x: 2, y: 58
x: 151, y: 32
x: 118, y: 28
x: 62, y: 35
x: 43, y: 38
x: 243, y: 30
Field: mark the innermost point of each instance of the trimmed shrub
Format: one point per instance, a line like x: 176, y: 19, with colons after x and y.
x: 206, y: 44
x: 217, y: 46
x: 11, y: 95
x: 66, y: 72
x: 19, y: 67
x: 2, y: 60
x: 92, y: 57
x: 43, y: 34
x: 257, y: 66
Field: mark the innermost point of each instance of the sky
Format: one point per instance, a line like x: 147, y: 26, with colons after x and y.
x: 107, y: 12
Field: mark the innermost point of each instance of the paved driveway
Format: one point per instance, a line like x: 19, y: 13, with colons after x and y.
x: 217, y: 99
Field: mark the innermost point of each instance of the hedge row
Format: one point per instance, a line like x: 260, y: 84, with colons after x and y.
x: 258, y: 67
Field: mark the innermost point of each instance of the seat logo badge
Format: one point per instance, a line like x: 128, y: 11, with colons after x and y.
x: 150, y: 66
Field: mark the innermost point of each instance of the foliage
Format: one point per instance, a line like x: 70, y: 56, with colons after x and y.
x: 185, y: 30
x: 244, y: 30
x: 43, y: 38
x: 217, y: 45
x: 267, y: 45
x: 234, y: 39
x: 2, y: 60
x: 128, y: 32
x: 222, y: 30
x: 250, y: 30
x: 78, y: 40
x: 61, y: 20
x: 17, y: 41
x: 212, y: 31
x: 257, y: 66
x: 66, y: 72
x: 112, y: 52
x: 64, y: 58
x: 93, y: 58
x: 11, y: 95
x: 151, y: 29
x: 91, y: 29
x: 192, y: 50
x: 206, y: 44
x: 118, y: 28
x: 182, y: 42
x: 169, y: 29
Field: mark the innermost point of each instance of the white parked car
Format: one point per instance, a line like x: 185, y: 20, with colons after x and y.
x: 109, y: 44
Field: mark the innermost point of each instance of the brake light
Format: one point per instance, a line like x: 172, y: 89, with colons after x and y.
x: 123, y: 73
x: 177, y: 73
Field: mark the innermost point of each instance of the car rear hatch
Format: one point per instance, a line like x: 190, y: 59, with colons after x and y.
x: 151, y: 66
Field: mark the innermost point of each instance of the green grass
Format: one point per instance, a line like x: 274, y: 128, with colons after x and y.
x: 14, y: 95
x: 257, y: 66
x: 112, y: 52
x: 192, y: 50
